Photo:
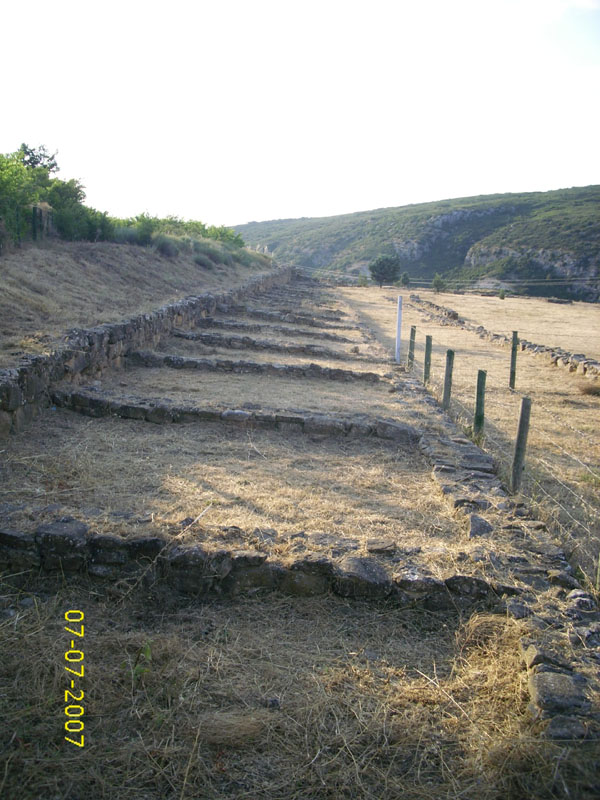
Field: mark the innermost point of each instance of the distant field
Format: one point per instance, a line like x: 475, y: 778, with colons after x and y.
x: 574, y: 327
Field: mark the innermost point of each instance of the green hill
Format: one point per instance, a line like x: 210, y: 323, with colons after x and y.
x: 544, y: 243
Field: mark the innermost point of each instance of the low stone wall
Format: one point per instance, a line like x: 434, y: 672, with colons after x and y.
x: 556, y: 356
x: 87, y: 352
x: 163, y: 412
x: 151, y: 359
x: 69, y: 545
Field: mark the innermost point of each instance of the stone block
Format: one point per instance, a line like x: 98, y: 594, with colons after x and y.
x: 159, y: 415
x: 556, y: 692
x: 63, y: 536
x: 324, y: 425
x: 468, y: 586
x: 302, y: 584
x: 398, y: 432
x: 416, y: 584
x: 562, y: 727
x: 108, y: 550
x: 246, y: 579
x: 236, y: 415
x: 147, y: 547
x: 17, y: 539
x: 361, y: 577
x: 313, y: 564
x: 478, y: 526
x: 17, y: 559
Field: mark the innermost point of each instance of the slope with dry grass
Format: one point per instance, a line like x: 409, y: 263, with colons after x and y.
x: 46, y: 290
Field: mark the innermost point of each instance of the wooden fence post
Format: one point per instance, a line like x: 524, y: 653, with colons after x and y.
x: 520, y: 445
x: 513, y: 359
x: 411, y: 346
x: 448, y: 379
x: 398, y: 328
x: 478, y: 421
x: 427, y: 362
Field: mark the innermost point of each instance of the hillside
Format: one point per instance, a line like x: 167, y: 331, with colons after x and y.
x: 548, y: 242
x: 51, y: 288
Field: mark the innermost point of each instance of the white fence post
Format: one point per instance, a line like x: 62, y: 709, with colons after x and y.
x: 398, y: 327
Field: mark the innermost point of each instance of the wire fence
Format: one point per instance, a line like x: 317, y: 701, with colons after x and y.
x: 552, y: 492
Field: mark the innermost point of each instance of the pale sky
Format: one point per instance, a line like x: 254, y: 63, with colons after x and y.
x: 236, y: 110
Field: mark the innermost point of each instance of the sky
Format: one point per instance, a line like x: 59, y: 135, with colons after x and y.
x: 236, y: 110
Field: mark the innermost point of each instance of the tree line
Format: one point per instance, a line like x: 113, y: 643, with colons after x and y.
x: 28, y: 183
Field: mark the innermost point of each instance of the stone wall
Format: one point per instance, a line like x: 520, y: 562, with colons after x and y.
x: 25, y: 389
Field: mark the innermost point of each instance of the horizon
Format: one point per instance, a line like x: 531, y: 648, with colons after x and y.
x: 408, y: 205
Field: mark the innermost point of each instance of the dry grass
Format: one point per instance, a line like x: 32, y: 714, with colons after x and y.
x: 353, y: 488
x: 563, y: 461
x: 575, y: 326
x: 195, y: 349
x: 48, y: 290
x: 234, y: 390
x: 271, y: 698
x: 586, y: 387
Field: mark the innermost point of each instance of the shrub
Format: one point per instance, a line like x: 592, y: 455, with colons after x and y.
x: 591, y: 388
x: 167, y: 246
x: 362, y: 281
x: 203, y: 261
x: 501, y: 294
x: 126, y: 235
x: 216, y: 254
x: 438, y: 284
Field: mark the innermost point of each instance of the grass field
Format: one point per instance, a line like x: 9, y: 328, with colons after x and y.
x: 575, y: 326
x: 562, y: 474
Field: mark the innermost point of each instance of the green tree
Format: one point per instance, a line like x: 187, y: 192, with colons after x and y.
x: 405, y: 280
x: 18, y: 190
x: 384, y: 269
x: 38, y: 157
x: 438, y: 284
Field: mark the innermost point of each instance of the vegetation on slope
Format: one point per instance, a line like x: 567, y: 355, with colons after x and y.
x: 528, y: 237
x: 34, y: 201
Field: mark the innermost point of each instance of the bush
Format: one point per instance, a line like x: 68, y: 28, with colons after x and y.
x: 203, y: 261
x: 126, y: 235
x: 501, y: 294
x: 213, y: 252
x: 362, y: 281
x: 438, y: 284
x: 592, y: 388
x: 167, y: 246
